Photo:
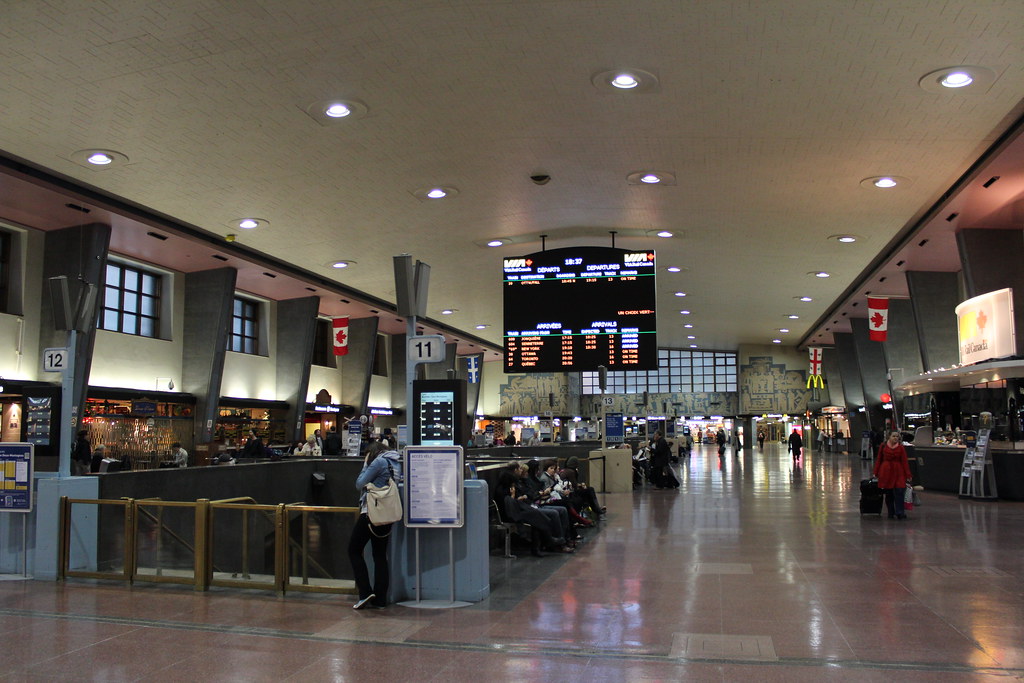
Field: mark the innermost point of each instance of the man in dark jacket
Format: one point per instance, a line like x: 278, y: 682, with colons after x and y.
x: 81, y: 456
x: 332, y: 444
x: 796, y: 444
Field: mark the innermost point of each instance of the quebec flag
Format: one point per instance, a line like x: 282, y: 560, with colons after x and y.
x: 473, y: 369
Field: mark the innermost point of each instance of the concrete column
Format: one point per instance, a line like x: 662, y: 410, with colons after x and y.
x: 853, y: 388
x: 80, y: 254
x: 357, y: 365
x: 871, y: 362
x: 901, y: 349
x: 440, y: 370
x: 397, y: 372
x: 209, y: 296
x: 991, y: 260
x: 296, y: 335
x: 833, y: 377
x: 933, y: 298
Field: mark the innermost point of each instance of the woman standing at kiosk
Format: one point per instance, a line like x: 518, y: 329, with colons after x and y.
x: 380, y: 465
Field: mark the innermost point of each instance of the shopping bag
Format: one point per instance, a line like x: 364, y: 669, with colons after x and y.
x: 908, y: 498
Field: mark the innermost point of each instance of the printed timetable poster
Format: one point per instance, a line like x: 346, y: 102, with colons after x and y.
x: 433, y: 486
x: 16, y: 460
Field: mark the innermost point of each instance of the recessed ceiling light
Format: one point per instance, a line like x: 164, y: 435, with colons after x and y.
x: 680, y: 293
x: 783, y: 329
x: 688, y: 326
x: 820, y: 273
x: 885, y: 182
x: 776, y: 341
x: 690, y: 336
x: 427, y: 194
x: 793, y: 316
x: 448, y: 311
x: 497, y: 242
x: 625, y: 80
x: 651, y: 177
x: 482, y: 327
x: 250, y: 223
x: 98, y: 159
x: 340, y: 264
x: 693, y: 346
x: 684, y: 312
x: 665, y: 233
x: 845, y: 239
x: 674, y: 269
x: 958, y: 79
x: 329, y: 112
x: 805, y: 299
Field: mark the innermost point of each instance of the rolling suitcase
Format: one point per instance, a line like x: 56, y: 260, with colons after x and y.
x: 870, y: 497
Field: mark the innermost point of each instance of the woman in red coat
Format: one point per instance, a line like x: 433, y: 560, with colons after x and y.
x: 893, y: 473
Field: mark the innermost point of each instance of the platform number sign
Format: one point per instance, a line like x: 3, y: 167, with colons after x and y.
x: 428, y: 348
x: 55, y: 360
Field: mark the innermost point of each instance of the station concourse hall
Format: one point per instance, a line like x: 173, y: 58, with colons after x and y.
x: 756, y: 568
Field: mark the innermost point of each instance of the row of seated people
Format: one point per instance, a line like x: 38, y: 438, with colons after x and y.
x: 551, y: 501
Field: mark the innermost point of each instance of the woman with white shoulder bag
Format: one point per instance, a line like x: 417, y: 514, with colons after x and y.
x: 378, y: 484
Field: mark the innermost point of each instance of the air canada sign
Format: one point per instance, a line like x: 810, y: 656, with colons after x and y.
x: 985, y: 327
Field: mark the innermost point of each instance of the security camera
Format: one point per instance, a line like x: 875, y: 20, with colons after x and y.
x: 540, y: 179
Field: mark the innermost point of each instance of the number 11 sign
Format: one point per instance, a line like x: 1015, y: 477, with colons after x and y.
x: 428, y: 348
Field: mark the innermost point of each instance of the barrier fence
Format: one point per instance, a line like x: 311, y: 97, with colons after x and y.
x: 234, y: 542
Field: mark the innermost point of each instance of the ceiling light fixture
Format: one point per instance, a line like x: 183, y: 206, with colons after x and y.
x: 958, y: 79
x: 680, y: 293
x: 427, y: 194
x: 482, y: 327
x: 793, y: 316
x: 805, y: 299
x: 330, y: 112
x: 651, y: 177
x: 690, y: 336
x: 674, y: 269
x: 625, y: 80
x: 776, y: 341
x: 497, y: 242
x: 250, y: 223
x: 99, y: 159
x: 688, y: 326
x: 783, y: 329
x: 845, y: 239
x: 684, y: 312
x: 340, y: 264
x: 448, y: 311
x: 885, y: 182
x: 820, y: 273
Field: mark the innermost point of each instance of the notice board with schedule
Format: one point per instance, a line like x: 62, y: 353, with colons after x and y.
x: 433, y: 486
x: 16, y: 461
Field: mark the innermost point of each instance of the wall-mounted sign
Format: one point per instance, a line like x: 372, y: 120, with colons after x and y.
x: 319, y: 408
x: 985, y: 327
x: 381, y: 411
x: 144, y: 407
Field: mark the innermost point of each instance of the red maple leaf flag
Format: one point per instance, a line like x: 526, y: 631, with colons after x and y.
x: 878, y: 318
x: 341, y: 336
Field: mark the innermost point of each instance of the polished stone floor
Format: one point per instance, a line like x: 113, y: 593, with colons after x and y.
x: 754, y: 569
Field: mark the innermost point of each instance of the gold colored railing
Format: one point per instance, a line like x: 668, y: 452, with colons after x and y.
x: 143, y: 547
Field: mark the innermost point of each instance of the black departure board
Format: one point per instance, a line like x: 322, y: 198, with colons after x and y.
x: 574, y: 309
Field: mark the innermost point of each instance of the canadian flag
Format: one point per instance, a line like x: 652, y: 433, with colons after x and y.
x: 878, y: 318
x: 341, y: 336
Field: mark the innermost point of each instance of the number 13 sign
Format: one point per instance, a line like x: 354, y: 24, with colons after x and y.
x: 428, y: 348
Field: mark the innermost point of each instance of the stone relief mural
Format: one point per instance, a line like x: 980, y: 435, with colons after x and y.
x: 529, y: 394
x: 768, y: 384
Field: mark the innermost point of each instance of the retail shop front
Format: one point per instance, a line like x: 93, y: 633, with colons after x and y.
x: 236, y: 416
x: 137, y: 428
x: 31, y: 413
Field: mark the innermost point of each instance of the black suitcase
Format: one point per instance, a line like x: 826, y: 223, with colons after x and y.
x: 870, y: 497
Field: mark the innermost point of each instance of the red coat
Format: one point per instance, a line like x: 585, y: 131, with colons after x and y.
x: 891, y: 467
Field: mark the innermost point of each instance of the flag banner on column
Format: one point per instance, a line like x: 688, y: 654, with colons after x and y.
x: 814, y: 378
x: 878, y: 318
x: 341, y: 336
x: 473, y: 369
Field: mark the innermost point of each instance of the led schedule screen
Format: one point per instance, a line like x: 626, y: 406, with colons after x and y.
x: 577, y: 308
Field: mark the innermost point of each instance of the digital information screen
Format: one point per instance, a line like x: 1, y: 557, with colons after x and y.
x: 574, y: 309
x: 437, y: 418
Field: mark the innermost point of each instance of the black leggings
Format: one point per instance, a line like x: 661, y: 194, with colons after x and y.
x: 361, y: 533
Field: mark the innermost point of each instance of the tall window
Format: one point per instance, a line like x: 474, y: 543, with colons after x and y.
x: 131, y: 301
x: 678, y: 371
x: 244, y: 335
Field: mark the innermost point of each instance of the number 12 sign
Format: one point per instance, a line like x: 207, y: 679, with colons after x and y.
x: 428, y: 348
x: 55, y: 360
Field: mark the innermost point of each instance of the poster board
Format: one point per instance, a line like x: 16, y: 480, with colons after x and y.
x: 16, y: 464
x: 433, y: 488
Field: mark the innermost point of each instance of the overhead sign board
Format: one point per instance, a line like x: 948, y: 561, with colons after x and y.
x: 985, y: 327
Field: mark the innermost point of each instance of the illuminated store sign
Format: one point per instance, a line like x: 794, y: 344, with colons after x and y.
x: 318, y: 408
x: 381, y: 411
x: 985, y: 327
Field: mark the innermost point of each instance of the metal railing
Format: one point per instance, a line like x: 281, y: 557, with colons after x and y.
x: 300, y: 543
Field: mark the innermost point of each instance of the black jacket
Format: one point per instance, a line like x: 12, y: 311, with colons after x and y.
x: 332, y: 444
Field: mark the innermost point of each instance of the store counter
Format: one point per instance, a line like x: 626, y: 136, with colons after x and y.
x: 939, y: 468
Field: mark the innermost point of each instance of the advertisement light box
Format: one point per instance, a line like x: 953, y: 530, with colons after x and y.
x: 985, y: 327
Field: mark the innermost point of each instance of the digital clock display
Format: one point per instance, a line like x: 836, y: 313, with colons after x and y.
x: 574, y: 309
